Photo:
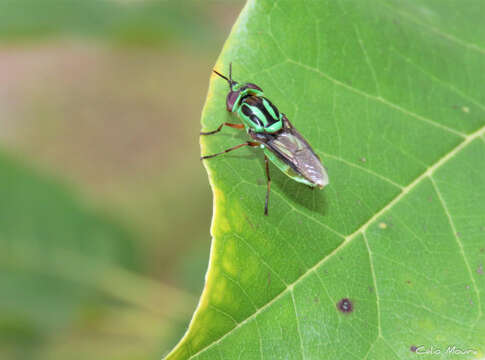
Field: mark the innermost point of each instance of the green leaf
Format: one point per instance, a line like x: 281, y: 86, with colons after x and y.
x: 391, y: 95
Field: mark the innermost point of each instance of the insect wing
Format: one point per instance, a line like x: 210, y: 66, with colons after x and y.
x: 292, y: 148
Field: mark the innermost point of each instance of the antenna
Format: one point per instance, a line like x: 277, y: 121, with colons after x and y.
x: 229, y: 80
x: 230, y: 73
x: 222, y: 76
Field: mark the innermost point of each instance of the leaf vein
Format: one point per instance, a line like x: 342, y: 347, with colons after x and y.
x: 216, y: 309
x: 468, y: 139
x: 367, y: 59
x: 438, y: 31
x: 302, y: 349
x: 379, y: 99
x: 261, y: 259
x: 438, y: 80
x: 371, y: 262
x: 460, y: 244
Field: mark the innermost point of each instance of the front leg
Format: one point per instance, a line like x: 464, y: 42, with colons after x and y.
x: 268, y: 185
x: 247, y: 143
x: 234, y: 126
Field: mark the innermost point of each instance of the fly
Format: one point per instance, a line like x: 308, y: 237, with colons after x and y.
x: 270, y: 130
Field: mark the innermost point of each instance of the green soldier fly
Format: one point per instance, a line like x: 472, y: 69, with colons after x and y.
x: 270, y: 130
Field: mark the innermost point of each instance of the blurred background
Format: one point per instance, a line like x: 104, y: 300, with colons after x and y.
x: 105, y: 207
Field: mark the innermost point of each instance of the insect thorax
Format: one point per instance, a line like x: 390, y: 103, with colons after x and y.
x: 259, y: 114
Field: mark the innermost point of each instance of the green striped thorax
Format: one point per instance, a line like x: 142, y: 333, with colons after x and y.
x: 259, y: 114
x: 255, y: 111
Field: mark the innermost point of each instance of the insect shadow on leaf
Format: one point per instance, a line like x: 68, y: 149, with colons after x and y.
x: 313, y: 201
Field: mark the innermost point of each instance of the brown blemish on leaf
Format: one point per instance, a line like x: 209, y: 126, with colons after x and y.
x: 382, y: 225
x: 413, y: 348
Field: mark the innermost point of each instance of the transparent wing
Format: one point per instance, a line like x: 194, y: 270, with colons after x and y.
x: 292, y: 148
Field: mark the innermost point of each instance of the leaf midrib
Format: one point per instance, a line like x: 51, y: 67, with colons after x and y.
x: 429, y: 171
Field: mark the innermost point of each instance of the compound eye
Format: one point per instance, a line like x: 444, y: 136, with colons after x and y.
x: 231, y: 99
x: 253, y: 86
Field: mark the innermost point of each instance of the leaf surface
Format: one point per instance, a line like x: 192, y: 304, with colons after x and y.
x: 391, y: 96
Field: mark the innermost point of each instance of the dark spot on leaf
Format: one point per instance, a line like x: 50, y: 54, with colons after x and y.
x: 480, y: 269
x: 269, y: 278
x: 430, y: 198
x: 408, y: 282
x: 316, y: 299
x: 413, y: 348
x: 455, y: 107
x: 471, y: 302
x: 371, y: 289
x: 345, y: 305
x: 260, y: 182
x: 458, y: 234
x: 363, y: 159
x: 482, y: 250
x: 326, y: 271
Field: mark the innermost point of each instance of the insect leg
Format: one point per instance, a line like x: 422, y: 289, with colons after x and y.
x: 268, y: 178
x: 247, y: 143
x: 235, y: 126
